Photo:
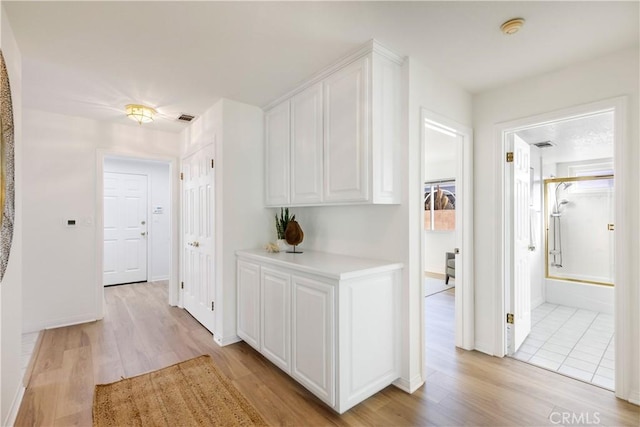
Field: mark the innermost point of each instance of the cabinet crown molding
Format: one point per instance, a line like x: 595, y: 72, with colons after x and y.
x: 372, y: 46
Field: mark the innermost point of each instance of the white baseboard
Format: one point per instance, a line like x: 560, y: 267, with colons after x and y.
x: 409, y: 386
x: 223, y: 341
x: 634, y: 397
x: 158, y: 278
x: 485, y: 348
x: 58, y: 323
x: 15, y: 406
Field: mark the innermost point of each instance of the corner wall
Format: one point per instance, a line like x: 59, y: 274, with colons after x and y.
x: 11, y: 387
x: 60, y: 178
x: 607, y: 77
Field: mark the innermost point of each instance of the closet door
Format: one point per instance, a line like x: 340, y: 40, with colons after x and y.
x: 346, y: 134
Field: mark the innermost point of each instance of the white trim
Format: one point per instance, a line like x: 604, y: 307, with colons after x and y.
x: 174, y: 198
x: 158, y: 278
x: 634, y: 397
x: 371, y: 46
x: 464, y: 300
x: 59, y: 323
x: 409, y: 386
x: 15, y: 407
x: 226, y: 340
x: 622, y: 290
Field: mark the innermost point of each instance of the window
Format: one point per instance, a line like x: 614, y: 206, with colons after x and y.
x: 440, y: 205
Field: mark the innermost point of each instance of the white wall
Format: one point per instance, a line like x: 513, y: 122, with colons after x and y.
x: 11, y: 287
x: 392, y: 232
x: 241, y: 220
x: 60, y: 179
x: 602, y: 78
x: 159, y: 223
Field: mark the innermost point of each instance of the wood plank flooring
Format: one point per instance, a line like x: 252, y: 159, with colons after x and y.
x: 140, y: 332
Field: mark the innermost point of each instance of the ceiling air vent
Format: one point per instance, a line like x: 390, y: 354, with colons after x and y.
x: 185, y: 118
x: 544, y: 144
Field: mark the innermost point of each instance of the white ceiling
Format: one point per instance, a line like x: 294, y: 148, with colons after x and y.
x: 91, y: 58
x: 578, y: 139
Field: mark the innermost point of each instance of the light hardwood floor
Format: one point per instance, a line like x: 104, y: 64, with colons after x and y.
x: 141, y: 332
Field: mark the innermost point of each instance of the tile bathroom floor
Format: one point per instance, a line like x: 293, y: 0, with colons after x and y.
x: 572, y: 341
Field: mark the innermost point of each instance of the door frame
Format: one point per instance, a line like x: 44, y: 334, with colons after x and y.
x: 101, y: 154
x: 622, y: 299
x: 464, y: 299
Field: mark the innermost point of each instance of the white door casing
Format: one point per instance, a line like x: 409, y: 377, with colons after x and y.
x: 521, y: 273
x: 125, y: 228
x: 199, y: 236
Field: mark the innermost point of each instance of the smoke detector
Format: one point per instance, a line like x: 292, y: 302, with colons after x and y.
x: 512, y: 26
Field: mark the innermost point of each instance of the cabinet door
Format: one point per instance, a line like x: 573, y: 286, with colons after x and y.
x: 277, y: 141
x: 312, y: 336
x: 306, y: 146
x: 346, y: 133
x: 249, y: 303
x: 276, y: 317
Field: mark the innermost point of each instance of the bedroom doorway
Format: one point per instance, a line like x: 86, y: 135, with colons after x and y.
x: 446, y: 227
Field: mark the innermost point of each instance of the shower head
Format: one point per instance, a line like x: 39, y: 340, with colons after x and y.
x: 567, y: 185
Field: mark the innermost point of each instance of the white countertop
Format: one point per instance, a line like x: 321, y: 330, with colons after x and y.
x: 324, y: 264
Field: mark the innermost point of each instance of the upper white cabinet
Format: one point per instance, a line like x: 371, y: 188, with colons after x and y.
x: 344, y: 134
x: 306, y: 146
x: 277, y: 140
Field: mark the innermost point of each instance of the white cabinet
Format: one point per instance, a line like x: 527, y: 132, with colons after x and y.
x: 344, y: 134
x: 248, y: 325
x: 306, y: 146
x: 275, y: 317
x: 313, y: 358
x: 332, y: 322
x: 277, y: 140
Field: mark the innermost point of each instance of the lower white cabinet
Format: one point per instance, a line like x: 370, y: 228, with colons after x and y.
x: 332, y: 322
x: 275, y: 317
x: 313, y: 337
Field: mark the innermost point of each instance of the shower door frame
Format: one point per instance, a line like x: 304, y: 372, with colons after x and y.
x: 546, y: 225
x: 624, y: 327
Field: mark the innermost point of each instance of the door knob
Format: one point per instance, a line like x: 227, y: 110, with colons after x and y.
x: 143, y: 222
x: 143, y: 233
x: 196, y: 244
x: 456, y: 251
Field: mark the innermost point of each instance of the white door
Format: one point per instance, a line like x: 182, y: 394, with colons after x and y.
x: 249, y: 303
x: 198, y: 236
x: 125, y: 228
x: 521, y: 274
x: 346, y: 127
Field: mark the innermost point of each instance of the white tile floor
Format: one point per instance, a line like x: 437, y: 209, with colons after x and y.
x: 575, y: 342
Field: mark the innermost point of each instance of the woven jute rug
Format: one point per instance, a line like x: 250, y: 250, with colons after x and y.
x: 191, y: 393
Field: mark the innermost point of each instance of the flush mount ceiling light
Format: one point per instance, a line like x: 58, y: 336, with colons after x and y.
x: 140, y: 113
x: 512, y: 26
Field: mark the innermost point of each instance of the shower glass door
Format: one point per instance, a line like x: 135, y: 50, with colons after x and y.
x: 579, y: 229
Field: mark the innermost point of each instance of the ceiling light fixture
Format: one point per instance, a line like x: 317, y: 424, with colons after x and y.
x: 512, y: 26
x: 140, y: 113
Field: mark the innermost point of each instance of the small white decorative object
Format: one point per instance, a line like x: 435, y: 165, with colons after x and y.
x: 272, y: 247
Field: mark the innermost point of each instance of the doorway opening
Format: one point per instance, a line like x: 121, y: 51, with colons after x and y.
x: 136, y: 223
x: 560, y: 249
x: 446, y: 232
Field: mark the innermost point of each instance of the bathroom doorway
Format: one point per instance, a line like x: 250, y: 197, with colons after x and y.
x: 560, y: 245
